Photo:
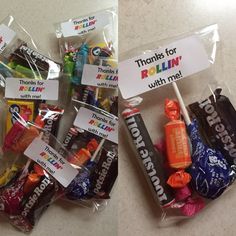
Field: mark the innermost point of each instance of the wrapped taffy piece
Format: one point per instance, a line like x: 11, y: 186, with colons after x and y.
x: 178, y: 153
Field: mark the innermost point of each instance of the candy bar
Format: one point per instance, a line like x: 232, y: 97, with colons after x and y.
x: 216, y: 119
x: 151, y: 164
x: 35, y: 61
x: 48, y: 118
x: 104, y: 174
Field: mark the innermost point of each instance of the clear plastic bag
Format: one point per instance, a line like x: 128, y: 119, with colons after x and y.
x: 36, y: 169
x: 91, y: 145
x: 27, y: 77
x: 183, y: 175
x: 89, y: 55
x: 20, y: 57
x: 35, y: 173
x: 88, y: 47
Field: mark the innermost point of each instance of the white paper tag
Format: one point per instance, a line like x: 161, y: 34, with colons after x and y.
x: 6, y: 36
x: 85, y: 25
x: 162, y: 66
x: 97, y: 124
x: 51, y: 161
x: 18, y: 88
x: 100, y: 76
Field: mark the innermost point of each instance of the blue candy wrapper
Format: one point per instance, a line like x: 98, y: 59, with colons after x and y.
x: 81, y: 60
x: 80, y: 186
x: 210, y: 172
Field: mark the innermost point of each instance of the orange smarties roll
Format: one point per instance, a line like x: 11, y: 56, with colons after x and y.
x: 166, y: 65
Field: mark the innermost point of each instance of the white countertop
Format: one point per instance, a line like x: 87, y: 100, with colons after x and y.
x: 38, y: 17
x: 144, y: 21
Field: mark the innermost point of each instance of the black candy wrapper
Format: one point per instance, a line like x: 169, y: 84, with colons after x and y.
x: 33, y: 60
x: 105, y: 173
x: 24, y: 200
x: 216, y: 118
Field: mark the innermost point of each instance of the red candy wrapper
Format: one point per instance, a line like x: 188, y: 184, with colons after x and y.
x: 192, y: 206
x: 182, y: 193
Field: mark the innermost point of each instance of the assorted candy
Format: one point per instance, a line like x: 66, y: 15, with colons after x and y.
x: 28, y: 196
x: 216, y: 120
x: 29, y: 185
x: 202, y: 173
x: 194, y: 163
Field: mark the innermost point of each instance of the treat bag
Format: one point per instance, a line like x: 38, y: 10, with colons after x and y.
x: 28, y: 77
x: 43, y: 178
x: 193, y: 55
x: 89, y: 53
x: 21, y: 58
x: 92, y: 139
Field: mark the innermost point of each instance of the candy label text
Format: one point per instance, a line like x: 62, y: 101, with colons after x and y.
x: 86, y: 24
x: 100, y: 76
x: 146, y: 158
x: 18, y: 88
x: 51, y: 161
x: 214, y: 120
x: 162, y: 66
x: 98, y: 124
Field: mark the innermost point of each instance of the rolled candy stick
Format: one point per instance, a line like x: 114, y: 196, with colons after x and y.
x: 70, y: 138
x: 150, y: 160
x: 178, y: 153
x: 24, y: 200
x: 210, y: 172
x: 36, y: 62
x: 105, y: 173
x: 49, y: 118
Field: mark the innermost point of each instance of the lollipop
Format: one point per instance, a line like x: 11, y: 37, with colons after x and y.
x: 210, y: 172
x: 80, y: 186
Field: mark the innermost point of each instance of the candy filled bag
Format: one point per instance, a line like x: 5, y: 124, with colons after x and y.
x: 92, y: 140
x: 20, y: 56
x: 28, y: 76
x: 187, y: 156
x: 88, y: 46
x: 37, y: 176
